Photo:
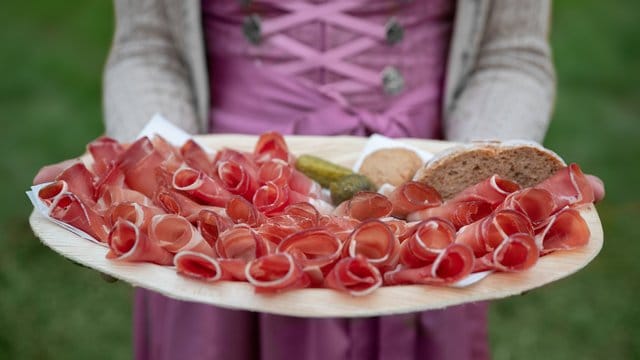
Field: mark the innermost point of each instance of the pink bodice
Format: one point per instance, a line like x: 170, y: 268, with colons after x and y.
x: 328, y: 67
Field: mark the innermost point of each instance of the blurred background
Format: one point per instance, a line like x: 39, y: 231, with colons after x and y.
x: 51, y: 57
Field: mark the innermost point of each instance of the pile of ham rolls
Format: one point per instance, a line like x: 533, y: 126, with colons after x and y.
x: 251, y: 216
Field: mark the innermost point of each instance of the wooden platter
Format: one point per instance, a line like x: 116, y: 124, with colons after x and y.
x: 320, y: 302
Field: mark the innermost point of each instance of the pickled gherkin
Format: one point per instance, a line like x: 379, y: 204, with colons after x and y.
x: 349, y: 185
x: 320, y: 170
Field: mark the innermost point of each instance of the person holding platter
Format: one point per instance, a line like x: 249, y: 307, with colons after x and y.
x: 439, y: 69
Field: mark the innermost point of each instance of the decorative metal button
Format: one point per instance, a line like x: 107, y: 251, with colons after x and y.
x: 392, y: 80
x: 394, y: 31
x: 252, y: 29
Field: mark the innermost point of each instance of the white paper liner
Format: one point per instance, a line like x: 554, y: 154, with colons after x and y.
x: 42, y: 208
x: 176, y: 136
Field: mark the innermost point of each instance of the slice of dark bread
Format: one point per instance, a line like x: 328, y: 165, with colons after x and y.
x: 454, y: 169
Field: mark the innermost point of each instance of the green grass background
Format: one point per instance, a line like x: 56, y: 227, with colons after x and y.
x: 51, y: 55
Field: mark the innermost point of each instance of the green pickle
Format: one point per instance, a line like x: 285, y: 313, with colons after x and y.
x: 342, y: 182
x: 321, y: 170
x: 349, y: 185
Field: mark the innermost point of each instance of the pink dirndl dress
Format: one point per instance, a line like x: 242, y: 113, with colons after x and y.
x: 348, y: 67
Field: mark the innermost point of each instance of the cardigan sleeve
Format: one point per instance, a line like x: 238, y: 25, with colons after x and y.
x: 509, y: 92
x: 144, y: 73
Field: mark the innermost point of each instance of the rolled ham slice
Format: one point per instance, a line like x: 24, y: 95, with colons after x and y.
x: 106, y: 154
x: 340, y: 226
x: 375, y: 241
x: 80, y: 181
x: 275, y: 273
x: 50, y: 194
x: 196, y: 157
x: 453, y: 264
x: 200, y: 186
x: 271, y: 145
x: 355, y: 276
x: 211, y: 224
x: 128, y: 243
x: 471, y: 204
x: 427, y: 241
x: 536, y: 204
x: 272, y: 199
x: 175, y: 233
x: 237, y: 179
x: 277, y: 228
x: 365, y: 205
x: 312, y: 247
x: 492, y: 190
x: 563, y: 231
x: 113, y: 195
x: 282, y: 173
x: 173, y: 202
x: 241, y: 211
x: 238, y: 246
x: 413, y: 196
x: 138, y: 214
x: 71, y: 210
x: 517, y: 252
x: 304, y: 214
x: 487, y: 234
x: 459, y: 213
x: 569, y: 186
x: 199, y: 266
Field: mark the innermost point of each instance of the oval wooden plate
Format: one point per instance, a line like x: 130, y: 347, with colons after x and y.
x: 320, y: 302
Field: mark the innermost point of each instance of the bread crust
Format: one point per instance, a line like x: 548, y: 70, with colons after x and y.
x: 391, y: 165
x: 454, y: 169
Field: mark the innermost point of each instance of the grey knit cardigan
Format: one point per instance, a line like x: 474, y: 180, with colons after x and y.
x: 500, y: 80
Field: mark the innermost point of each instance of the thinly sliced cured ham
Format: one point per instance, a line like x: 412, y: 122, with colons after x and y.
x: 569, y: 186
x: 80, y: 181
x: 140, y: 176
x: 196, y: 157
x: 374, y: 240
x: 244, y: 159
x: 175, y: 233
x: 277, y: 228
x: 273, y: 199
x: 413, y: 196
x: 237, y: 179
x: 71, y: 210
x: 487, y: 234
x: 50, y: 194
x: 199, y: 266
x: 238, y: 246
x: 241, y: 211
x: 271, y: 145
x: 341, y: 226
x: 355, y: 276
x: 459, y: 213
x: 536, y: 204
x: 113, y: 195
x: 282, y: 173
x: 304, y: 214
x: 453, y: 264
x: 106, y: 154
x: 211, y: 224
x: 563, y: 231
x: 492, y: 190
x: 275, y: 273
x: 312, y: 247
x: 171, y: 155
x: 365, y: 205
x: 206, y: 189
x: 128, y: 243
x: 428, y: 239
x: 173, y: 202
x: 138, y: 214
x: 517, y: 252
